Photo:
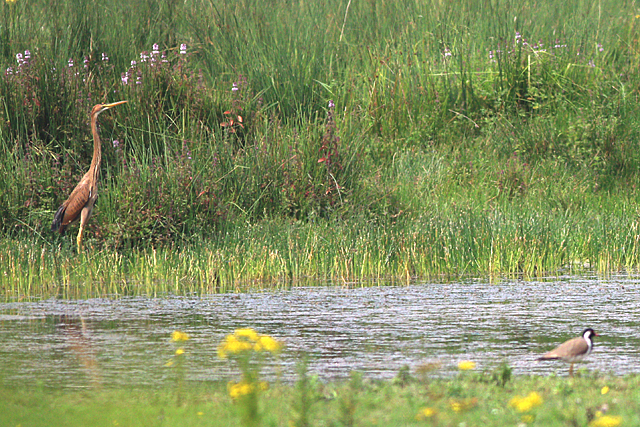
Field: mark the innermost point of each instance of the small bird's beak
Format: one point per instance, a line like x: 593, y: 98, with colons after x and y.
x: 105, y: 106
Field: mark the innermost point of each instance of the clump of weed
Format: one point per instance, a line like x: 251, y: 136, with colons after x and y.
x: 247, y: 349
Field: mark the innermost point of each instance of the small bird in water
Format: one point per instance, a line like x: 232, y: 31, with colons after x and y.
x: 573, y: 350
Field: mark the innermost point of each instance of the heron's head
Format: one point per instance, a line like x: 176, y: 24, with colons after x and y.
x: 99, y: 108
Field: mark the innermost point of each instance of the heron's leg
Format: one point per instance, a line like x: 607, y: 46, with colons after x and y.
x: 571, y: 370
x: 79, y: 239
x: 84, y: 217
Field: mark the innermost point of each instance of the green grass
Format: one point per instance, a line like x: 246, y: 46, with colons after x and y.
x: 470, y: 398
x: 452, y: 242
x: 484, y: 138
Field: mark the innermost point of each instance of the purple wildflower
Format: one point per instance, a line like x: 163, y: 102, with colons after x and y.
x: 116, y: 143
x: 183, y: 49
x: 125, y: 78
x: 105, y: 58
x: 234, y: 87
x: 70, y: 63
x: 20, y: 60
x: 331, y: 104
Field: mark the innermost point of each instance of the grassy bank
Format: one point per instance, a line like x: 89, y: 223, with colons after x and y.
x: 470, y: 398
x: 246, y: 397
x: 351, y: 141
x: 455, y: 243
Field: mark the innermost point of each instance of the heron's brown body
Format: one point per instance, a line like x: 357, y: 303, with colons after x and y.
x: 80, y: 203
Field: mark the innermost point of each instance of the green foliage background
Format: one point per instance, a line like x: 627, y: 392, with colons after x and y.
x: 424, y: 119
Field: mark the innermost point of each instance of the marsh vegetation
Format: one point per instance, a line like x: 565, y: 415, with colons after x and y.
x: 277, y: 142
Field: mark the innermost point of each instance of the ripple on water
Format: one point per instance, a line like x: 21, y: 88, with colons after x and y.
x: 376, y: 330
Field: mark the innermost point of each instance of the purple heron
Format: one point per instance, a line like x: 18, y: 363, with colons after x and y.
x: 82, y: 198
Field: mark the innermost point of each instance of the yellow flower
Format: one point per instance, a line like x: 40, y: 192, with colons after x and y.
x: 527, y: 419
x: 535, y: 398
x: 200, y: 413
x: 466, y: 365
x: 179, y: 351
x: 237, y: 390
x: 221, y: 353
x: 245, y: 340
x: 463, y: 404
x: 265, y: 342
x: 524, y: 404
x: 606, y: 421
x: 11, y: 1
x: 425, y: 413
x: 232, y: 345
x: 248, y: 333
x: 604, y: 390
x: 177, y: 336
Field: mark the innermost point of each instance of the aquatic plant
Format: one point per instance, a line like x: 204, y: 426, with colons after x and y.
x: 427, y: 412
x: 606, y: 421
x: 525, y: 404
x: 466, y: 365
x: 247, y: 349
x: 177, y: 363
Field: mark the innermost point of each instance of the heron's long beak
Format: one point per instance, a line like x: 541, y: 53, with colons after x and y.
x: 113, y: 104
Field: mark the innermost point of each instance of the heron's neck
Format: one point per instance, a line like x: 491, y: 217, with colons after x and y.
x: 97, y: 147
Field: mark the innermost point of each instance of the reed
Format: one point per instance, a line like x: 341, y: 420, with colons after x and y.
x: 449, y: 244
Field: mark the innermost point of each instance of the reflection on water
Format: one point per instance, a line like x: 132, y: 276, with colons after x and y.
x: 77, y: 337
x: 375, y: 330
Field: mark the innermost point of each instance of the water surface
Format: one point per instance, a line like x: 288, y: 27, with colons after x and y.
x: 375, y: 330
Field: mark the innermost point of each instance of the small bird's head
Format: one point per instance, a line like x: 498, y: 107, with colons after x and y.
x: 589, y: 333
x: 99, y: 108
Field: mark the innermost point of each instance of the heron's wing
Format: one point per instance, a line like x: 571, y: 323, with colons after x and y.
x: 78, y: 199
